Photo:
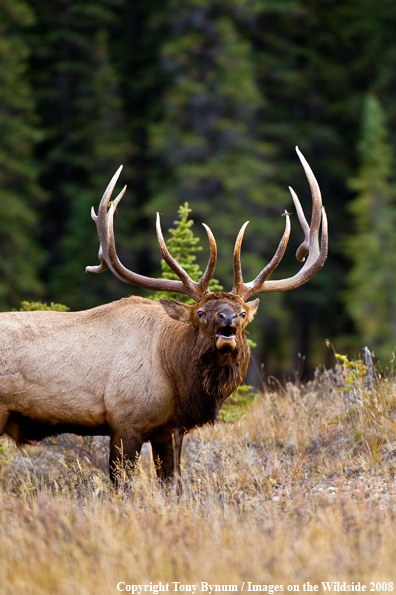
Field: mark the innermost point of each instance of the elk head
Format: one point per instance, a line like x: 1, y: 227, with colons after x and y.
x: 221, y: 316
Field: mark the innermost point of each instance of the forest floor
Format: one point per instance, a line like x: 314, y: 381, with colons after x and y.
x: 300, y: 490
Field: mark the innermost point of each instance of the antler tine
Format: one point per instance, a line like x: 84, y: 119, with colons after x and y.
x: 100, y: 267
x: 175, y: 266
x: 246, y: 290
x: 303, y: 249
x: 208, y: 274
x: 313, y: 246
x: 104, y: 221
x: 316, y: 255
x: 273, y: 263
x: 101, y: 220
x: 239, y: 285
x: 310, y: 268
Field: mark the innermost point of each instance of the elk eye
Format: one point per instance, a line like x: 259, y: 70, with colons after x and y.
x: 201, y: 313
x: 243, y: 314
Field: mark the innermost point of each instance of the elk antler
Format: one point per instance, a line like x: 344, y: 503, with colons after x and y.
x: 316, y: 256
x: 109, y: 259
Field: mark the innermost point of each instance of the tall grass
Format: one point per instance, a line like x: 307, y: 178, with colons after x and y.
x: 300, y: 489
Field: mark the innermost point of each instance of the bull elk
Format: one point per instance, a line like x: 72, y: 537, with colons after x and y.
x: 135, y: 369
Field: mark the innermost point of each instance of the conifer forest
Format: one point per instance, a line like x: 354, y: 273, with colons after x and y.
x: 204, y: 101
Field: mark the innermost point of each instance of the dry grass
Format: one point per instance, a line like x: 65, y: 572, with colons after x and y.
x: 301, y: 489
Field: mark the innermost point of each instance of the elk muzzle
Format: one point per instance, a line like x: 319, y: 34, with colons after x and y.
x: 226, y: 335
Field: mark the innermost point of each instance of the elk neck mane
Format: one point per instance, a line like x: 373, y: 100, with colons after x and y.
x: 222, y: 372
x: 213, y: 376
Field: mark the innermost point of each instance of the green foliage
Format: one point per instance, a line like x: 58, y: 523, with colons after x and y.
x: 19, y: 191
x: 183, y: 245
x: 79, y: 101
x: 371, y: 297
x: 237, y: 405
x: 315, y: 62
x: 3, y: 450
x: 31, y: 306
x: 354, y: 372
x: 206, y: 139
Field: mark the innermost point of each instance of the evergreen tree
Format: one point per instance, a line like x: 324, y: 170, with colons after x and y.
x: 19, y: 189
x: 315, y: 61
x: 371, y: 298
x: 137, y: 36
x: 79, y: 102
x: 206, y: 138
x: 182, y: 245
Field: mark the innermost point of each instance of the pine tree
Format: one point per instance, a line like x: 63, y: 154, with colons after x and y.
x: 315, y: 61
x: 20, y: 193
x: 80, y: 106
x: 183, y: 245
x: 206, y: 138
x: 137, y: 35
x: 371, y: 298
x: 104, y: 146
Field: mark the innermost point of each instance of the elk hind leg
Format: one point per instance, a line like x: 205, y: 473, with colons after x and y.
x: 167, y: 456
x: 4, y: 415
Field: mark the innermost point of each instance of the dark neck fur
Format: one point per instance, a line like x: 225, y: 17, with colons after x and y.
x: 212, y: 376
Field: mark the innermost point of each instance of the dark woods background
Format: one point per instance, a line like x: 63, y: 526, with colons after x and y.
x: 204, y: 101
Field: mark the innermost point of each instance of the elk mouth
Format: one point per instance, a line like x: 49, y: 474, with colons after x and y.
x: 226, y: 338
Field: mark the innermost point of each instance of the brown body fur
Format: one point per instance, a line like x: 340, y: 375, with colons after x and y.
x: 134, y: 369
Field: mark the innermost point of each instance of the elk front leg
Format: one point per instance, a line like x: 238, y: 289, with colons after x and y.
x: 177, y: 448
x: 4, y: 415
x: 167, y: 456
x: 122, y: 450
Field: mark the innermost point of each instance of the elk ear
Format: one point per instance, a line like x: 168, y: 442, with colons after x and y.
x: 251, y: 308
x: 176, y: 310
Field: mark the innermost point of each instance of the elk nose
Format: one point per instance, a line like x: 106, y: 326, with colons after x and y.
x: 228, y: 319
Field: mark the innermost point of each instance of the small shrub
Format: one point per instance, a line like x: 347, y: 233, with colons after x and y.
x: 237, y: 405
x: 31, y: 306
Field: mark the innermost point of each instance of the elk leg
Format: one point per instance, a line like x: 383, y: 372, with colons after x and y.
x: 122, y: 450
x: 177, y: 448
x: 4, y: 415
x: 167, y: 456
x: 13, y: 430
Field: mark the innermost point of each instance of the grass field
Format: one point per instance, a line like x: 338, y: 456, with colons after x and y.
x: 301, y: 489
